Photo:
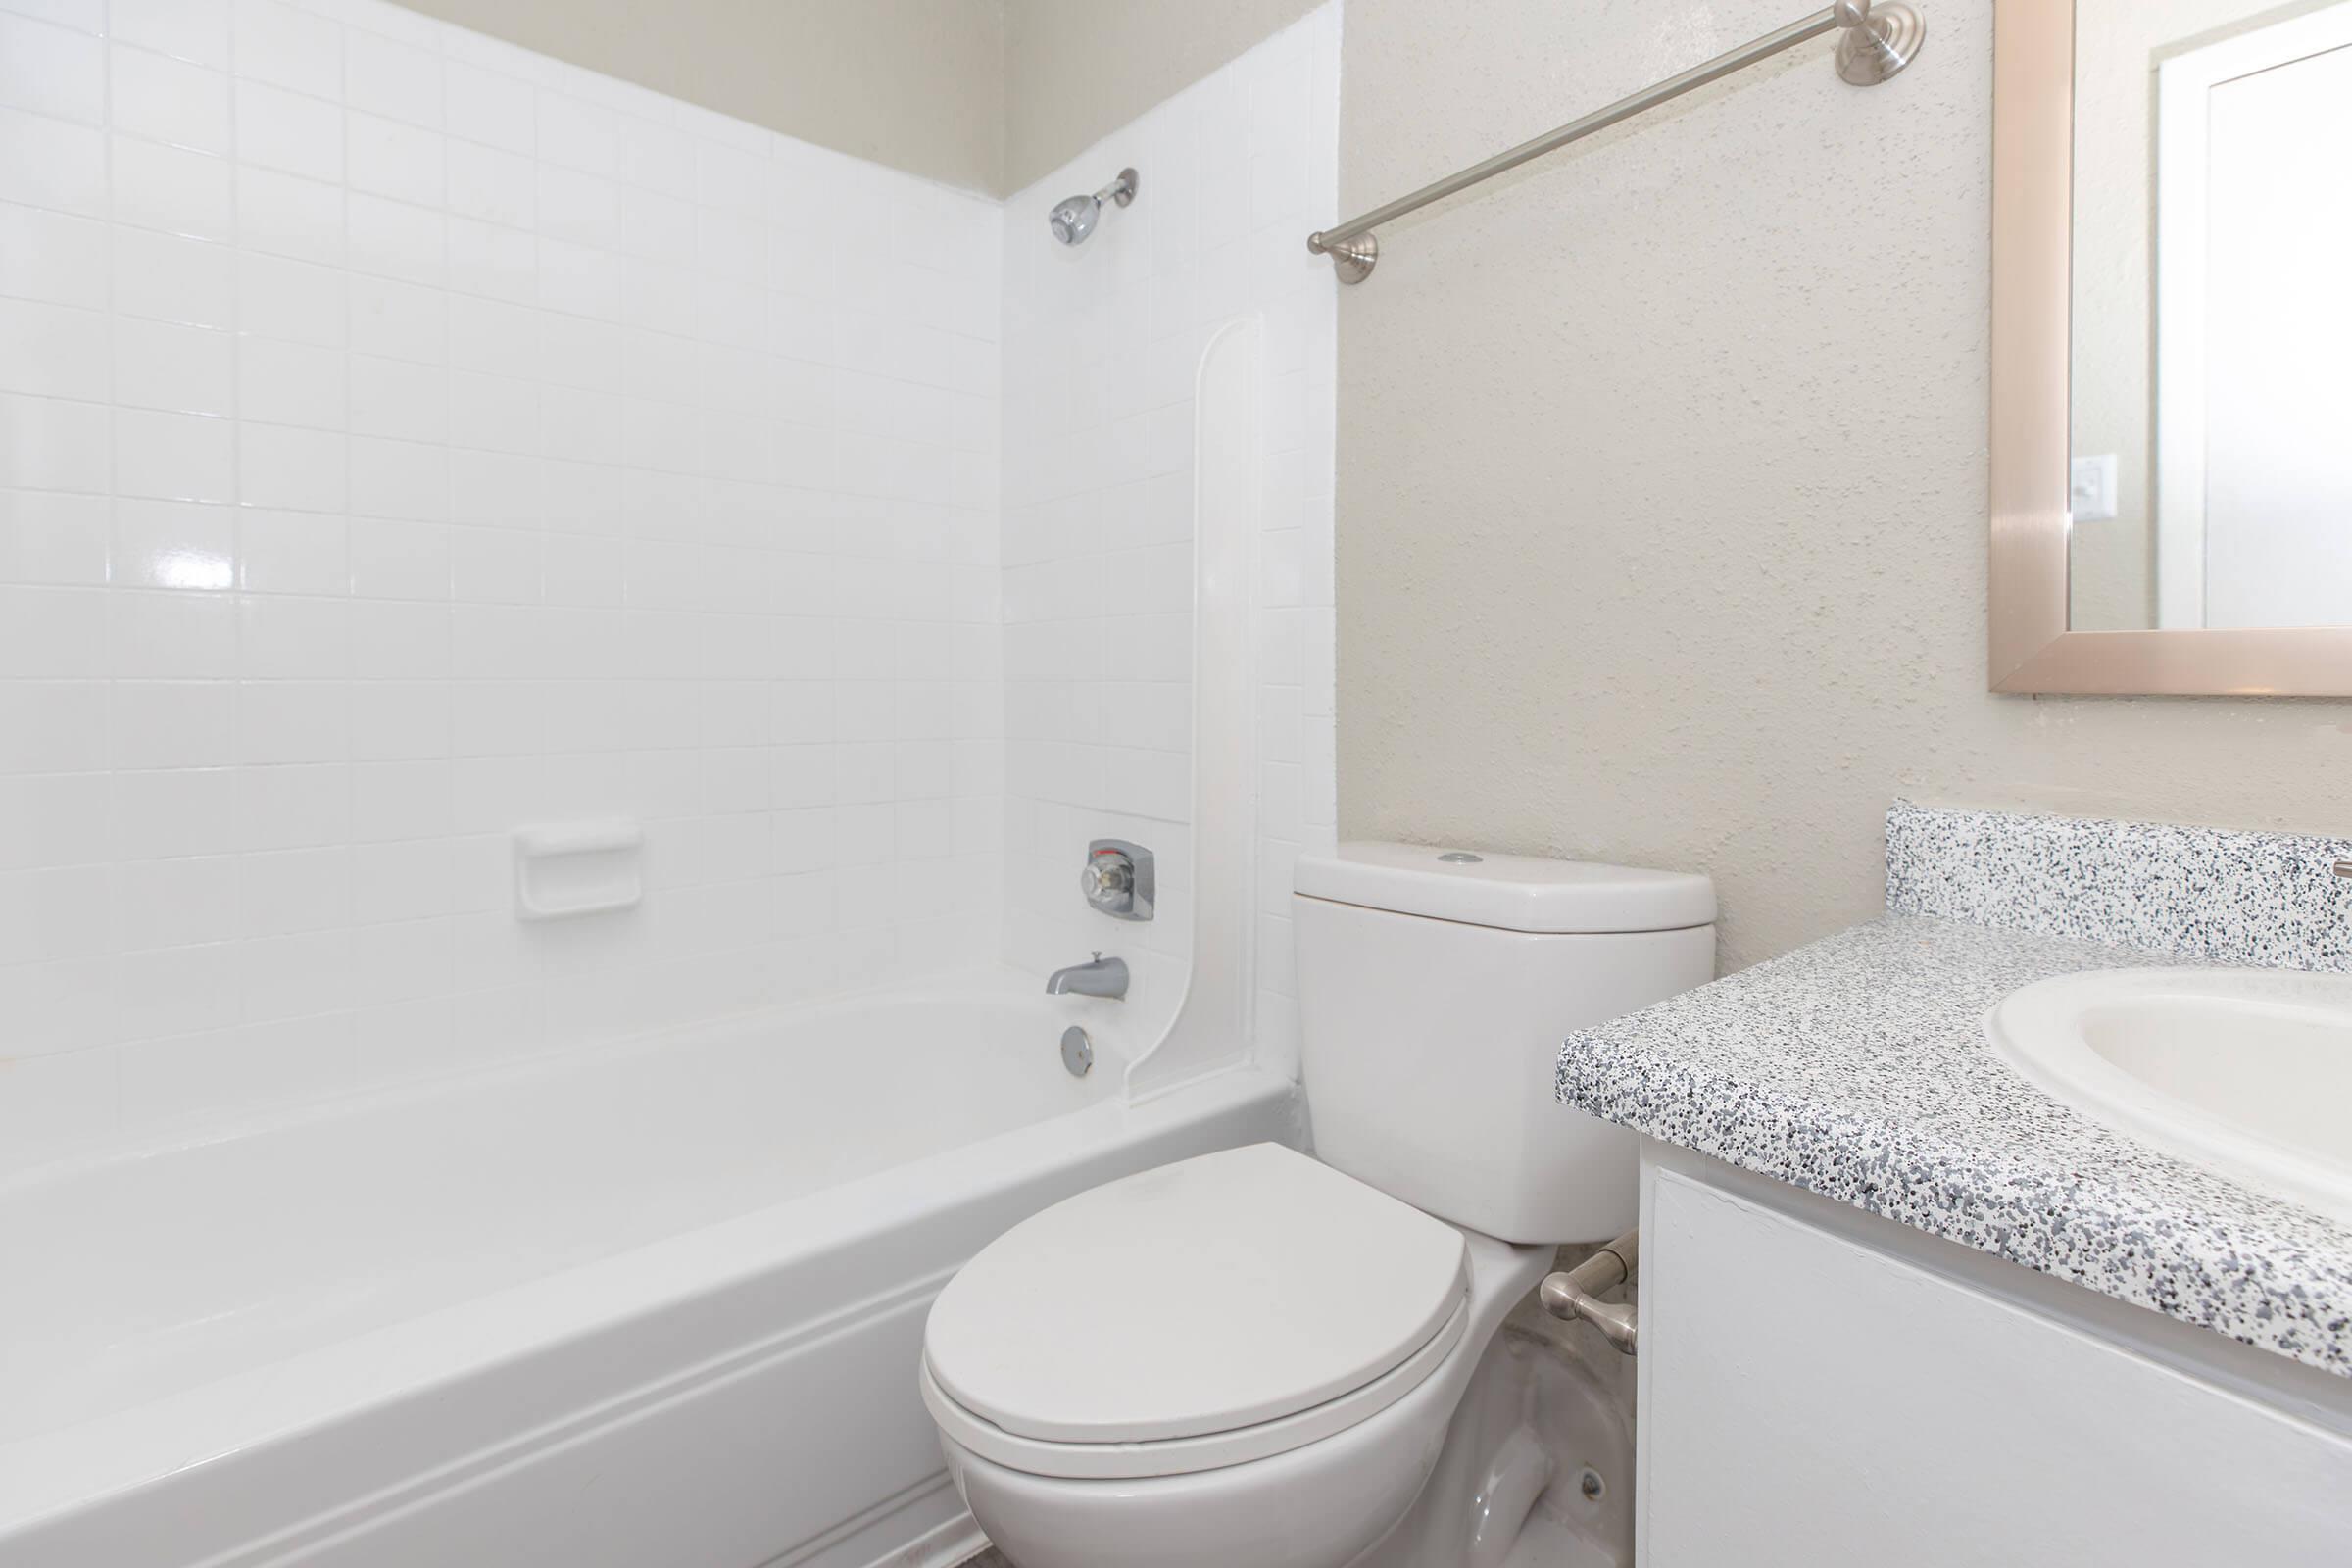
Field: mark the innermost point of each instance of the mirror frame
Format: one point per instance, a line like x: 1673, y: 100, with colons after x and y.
x: 2031, y: 647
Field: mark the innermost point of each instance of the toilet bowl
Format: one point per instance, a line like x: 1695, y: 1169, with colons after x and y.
x: 1255, y: 1357
x: 1315, y: 1485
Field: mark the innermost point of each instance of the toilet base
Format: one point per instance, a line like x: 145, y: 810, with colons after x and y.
x: 1507, y: 1491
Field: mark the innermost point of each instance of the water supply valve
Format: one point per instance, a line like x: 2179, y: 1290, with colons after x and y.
x: 1577, y: 1293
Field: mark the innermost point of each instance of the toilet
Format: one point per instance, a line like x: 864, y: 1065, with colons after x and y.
x: 1256, y: 1358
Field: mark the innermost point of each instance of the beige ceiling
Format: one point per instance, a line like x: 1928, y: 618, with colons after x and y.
x: 917, y: 84
x: 986, y: 94
x: 1077, y: 70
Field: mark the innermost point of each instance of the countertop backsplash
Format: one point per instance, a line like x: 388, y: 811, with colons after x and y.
x: 2227, y: 896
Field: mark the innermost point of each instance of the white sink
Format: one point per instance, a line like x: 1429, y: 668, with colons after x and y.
x: 2244, y: 1071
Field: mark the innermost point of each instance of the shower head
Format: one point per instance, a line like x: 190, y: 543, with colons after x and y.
x: 1072, y: 221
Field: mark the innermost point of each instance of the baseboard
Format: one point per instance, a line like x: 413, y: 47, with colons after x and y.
x: 949, y: 1545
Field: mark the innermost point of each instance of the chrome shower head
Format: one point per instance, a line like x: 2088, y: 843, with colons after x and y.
x: 1072, y: 221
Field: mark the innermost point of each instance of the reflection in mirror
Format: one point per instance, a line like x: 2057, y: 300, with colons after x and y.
x: 2212, y: 352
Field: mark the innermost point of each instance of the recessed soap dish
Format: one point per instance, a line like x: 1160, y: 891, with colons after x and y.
x: 570, y: 868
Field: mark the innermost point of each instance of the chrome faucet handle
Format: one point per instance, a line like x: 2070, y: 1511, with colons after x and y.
x: 1106, y: 875
x: 1117, y: 879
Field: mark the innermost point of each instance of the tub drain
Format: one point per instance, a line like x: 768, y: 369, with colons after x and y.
x: 1077, y: 1051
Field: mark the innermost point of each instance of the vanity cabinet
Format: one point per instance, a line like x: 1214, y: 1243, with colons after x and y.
x: 1823, y: 1387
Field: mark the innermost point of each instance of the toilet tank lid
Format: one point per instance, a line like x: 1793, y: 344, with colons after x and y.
x: 1507, y: 892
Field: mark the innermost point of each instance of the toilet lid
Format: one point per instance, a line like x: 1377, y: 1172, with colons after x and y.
x: 1215, y: 1294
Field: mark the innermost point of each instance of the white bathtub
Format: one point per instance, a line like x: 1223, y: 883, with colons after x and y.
x: 653, y: 1306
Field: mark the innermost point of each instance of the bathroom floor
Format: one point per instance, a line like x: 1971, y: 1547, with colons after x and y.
x: 1549, y: 1543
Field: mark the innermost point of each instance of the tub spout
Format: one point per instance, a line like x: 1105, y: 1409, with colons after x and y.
x: 1105, y: 977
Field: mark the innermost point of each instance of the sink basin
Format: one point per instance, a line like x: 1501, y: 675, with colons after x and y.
x: 2248, y: 1072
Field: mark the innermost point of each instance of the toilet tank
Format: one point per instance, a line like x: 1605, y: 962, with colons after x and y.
x: 1435, y: 987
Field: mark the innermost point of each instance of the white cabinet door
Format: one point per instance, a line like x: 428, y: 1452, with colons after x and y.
x: 1811, y: 1401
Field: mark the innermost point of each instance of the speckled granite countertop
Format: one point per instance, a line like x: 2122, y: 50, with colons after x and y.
x: 1857, y: 1069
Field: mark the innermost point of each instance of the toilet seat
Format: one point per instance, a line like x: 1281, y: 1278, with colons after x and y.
x: 1184, y: 1456
x: 1219, y: 1309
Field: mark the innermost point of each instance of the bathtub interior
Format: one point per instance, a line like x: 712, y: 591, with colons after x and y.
x: 175, y: 1266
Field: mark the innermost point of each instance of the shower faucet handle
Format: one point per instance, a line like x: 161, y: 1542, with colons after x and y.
x: 1108, y: 875
x: 1119, y: 879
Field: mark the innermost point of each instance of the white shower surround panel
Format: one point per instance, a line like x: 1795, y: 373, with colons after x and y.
x: 1102, y: 342
x: 404, y: 438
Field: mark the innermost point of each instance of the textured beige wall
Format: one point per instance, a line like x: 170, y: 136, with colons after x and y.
x: 1661, y: 466
x: 1077, y: 70
x: 917, y: 84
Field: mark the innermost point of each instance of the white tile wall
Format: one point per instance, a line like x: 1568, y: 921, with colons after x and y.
x: 403, y: 438
x: 1101, y: 345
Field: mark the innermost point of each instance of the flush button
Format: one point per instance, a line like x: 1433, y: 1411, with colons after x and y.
x: 1462, y: 857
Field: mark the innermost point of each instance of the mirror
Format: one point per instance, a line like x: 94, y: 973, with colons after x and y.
x: 2212, y: 345
x: 2172, y: 345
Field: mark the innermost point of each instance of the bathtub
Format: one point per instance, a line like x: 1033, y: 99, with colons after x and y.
x: 652, y: 1305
